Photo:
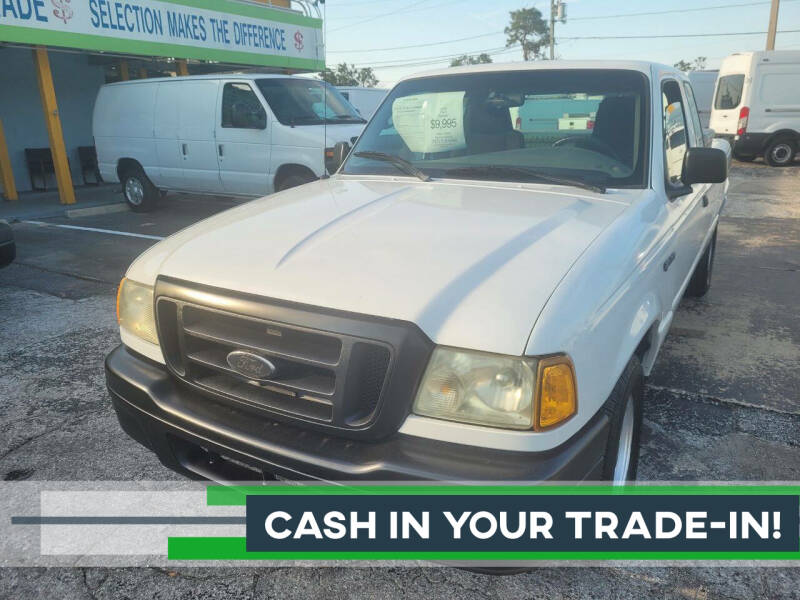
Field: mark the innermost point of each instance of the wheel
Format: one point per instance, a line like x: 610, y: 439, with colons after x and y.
x: 780, y: 152
x: 744, y: 158
x: 293, y: 181
x: 139, y: 191
x: 624, y: 409
x: 700, y: 282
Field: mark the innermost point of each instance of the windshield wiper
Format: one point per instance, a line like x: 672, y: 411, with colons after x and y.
x: 490, y: 169
x: 348, y: 118
x: 400, y: 163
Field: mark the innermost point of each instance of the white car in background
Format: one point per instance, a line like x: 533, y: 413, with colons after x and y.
x: 459, y: 301
x: 757, y: 105
x: 231, y: 134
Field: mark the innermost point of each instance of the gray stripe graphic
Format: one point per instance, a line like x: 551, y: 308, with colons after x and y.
x: 24, y: 520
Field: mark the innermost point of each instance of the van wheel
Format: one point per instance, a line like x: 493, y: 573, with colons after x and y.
x: 700, y: 282
x: 624, y: 409
x: 139, y: 191
x: 780, y: 152
x: 293, y: 181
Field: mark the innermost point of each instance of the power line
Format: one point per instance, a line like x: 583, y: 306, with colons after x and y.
x: 620, y: 15
x: 394, y: 12
x: 443, y: 42
x: 675, y: 10
x: 676, y: 35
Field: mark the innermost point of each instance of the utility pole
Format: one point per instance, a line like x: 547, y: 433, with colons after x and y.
x: 553, y: 28
x: 773, y: 24
x: 558, y: 11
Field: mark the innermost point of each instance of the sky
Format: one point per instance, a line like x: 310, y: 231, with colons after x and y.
x: 401, y: 37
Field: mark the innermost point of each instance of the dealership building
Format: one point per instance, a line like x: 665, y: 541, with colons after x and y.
x: 55, y: 55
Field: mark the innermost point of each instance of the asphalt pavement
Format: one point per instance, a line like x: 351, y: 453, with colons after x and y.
x: 723, y: 403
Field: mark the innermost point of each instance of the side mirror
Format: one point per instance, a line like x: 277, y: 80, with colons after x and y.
x: 704, y: 165
x: 337, y: 156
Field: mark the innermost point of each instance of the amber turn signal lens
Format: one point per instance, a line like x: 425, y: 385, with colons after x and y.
x: 557, y: 396
x: 119, y: 291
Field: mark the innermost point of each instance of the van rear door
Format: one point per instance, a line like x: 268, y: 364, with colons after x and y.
x: 727, y: 103
x: 243, y: 139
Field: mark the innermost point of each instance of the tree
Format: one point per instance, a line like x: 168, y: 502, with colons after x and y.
x: 528, y: 29
x: 698, y: 64
x: 466, y: 59
x: 350, y: 75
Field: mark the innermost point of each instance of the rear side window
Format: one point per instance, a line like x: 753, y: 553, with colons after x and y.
x: 729, y: 92
x: 241, y: 108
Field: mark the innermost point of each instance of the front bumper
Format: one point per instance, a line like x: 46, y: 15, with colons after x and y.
x: 185, y: 429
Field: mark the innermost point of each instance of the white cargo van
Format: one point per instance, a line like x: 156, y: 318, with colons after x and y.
x: 757, y: 105
x: 366, y: 100
x: 229, y: 134
x: 703, y: 83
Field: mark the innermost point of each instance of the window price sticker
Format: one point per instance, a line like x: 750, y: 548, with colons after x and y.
x: 430, y: 122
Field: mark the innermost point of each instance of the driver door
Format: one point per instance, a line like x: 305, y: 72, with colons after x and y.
x: 243, y: 140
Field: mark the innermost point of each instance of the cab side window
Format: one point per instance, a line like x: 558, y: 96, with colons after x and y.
x: 241, y: 108
x: 675, y: 132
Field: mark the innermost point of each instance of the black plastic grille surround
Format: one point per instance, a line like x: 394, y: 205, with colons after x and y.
x: 338, y: 371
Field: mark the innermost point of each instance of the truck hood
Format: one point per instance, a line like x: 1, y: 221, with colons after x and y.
x: 472, y: 264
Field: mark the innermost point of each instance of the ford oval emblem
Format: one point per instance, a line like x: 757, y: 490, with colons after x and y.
x: 251, y: 365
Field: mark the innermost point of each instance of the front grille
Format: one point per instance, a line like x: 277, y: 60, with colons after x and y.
x: 330, y: 370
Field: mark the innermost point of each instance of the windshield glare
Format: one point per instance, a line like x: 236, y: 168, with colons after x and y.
x: 582, y: 125
x: 300, y: 102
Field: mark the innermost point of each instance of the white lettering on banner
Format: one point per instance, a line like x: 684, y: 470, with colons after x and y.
x: 430, y: 122
x: 166, y: 23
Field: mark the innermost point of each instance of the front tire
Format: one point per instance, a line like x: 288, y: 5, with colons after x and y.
x: 293, y: 181
x: 624, y: 409
x: 139, y: 192
x: 700, y: 282
x: 780, y: 153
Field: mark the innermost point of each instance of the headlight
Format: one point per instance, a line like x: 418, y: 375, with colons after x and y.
x: 499, y: 391
x: 135, y: 310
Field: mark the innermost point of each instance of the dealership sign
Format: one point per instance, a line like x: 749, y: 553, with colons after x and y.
x: 219, y: 30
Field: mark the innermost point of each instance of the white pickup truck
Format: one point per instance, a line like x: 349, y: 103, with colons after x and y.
x: 460, y: 301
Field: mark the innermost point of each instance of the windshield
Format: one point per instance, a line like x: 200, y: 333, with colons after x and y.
x: 729, y: 92
x: 575, y: 125
x: 300, y: 102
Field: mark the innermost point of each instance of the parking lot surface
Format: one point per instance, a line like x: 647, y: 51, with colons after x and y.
x: 723, y: 403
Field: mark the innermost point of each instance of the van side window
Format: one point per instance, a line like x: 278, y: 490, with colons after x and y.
x: 241, y: 108
x: 675, y: 133
x: 729, y: 92
x: 694, y: 115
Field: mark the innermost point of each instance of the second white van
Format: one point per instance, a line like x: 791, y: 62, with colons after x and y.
x: 757, y: 105
x: 232, y: 134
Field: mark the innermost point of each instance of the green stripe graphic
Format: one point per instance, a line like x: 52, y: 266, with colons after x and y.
x: 235, y: 548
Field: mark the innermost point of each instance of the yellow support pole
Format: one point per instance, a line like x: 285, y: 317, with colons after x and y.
x: 142, y: 73
x: 6, y: 174
x: 183, y: 68
x: 123, y: 70
x: 48, y: 93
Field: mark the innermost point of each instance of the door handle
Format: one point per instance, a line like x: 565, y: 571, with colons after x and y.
x: 705, y: 200
x: 221, y: 150
x: 185, y: 149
